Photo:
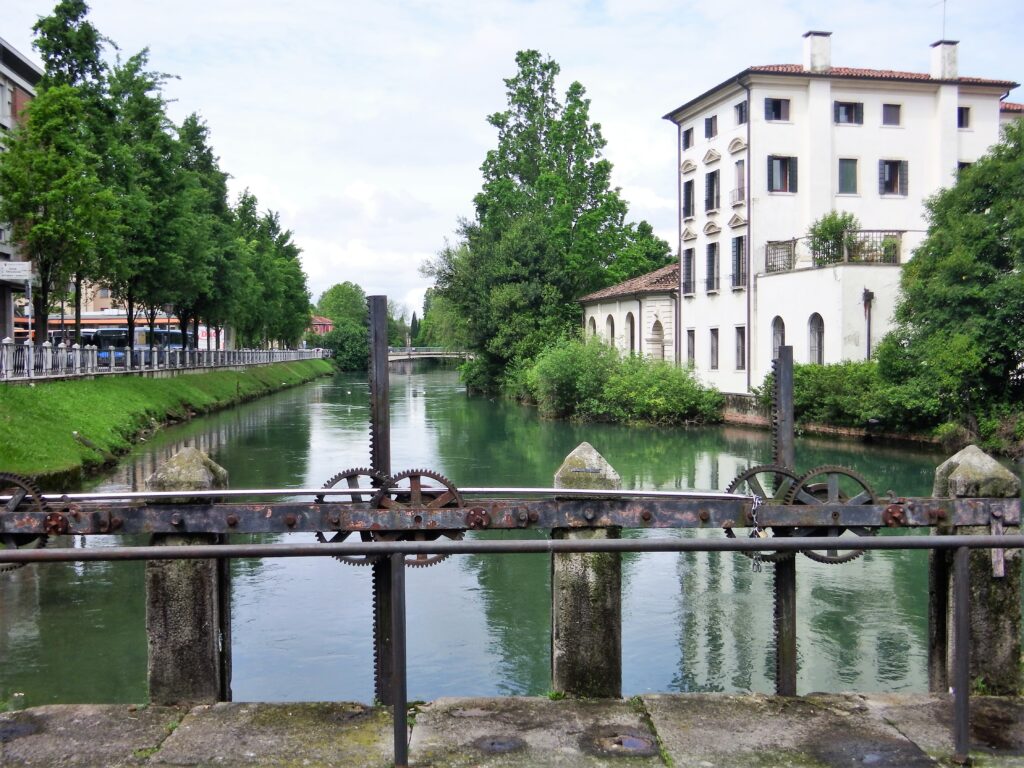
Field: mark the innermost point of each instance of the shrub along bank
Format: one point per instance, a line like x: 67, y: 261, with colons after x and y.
x: 39, y: 423
x: 589, y: 381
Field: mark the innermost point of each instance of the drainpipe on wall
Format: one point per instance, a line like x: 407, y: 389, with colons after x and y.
x: 750, y: 243
x: 868, y: 297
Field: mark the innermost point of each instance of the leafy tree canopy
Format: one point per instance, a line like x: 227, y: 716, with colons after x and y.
x: 960, y: 317
x: 344, y: 301
x: 549, y: 227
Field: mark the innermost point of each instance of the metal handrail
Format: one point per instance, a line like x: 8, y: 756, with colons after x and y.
x: 397, y: 551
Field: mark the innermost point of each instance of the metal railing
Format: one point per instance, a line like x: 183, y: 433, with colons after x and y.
x: 738, y: 196
x: 396, y: 552
x: 25, y: 361
x: 863, y: 246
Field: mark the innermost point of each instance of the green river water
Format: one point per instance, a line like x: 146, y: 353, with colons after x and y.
x: 477, y: 625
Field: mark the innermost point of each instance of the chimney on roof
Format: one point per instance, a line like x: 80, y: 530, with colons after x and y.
x: 944, y: 60
x: 817, y: 51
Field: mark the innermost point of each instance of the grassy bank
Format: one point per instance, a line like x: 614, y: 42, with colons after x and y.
x: 38, y: 424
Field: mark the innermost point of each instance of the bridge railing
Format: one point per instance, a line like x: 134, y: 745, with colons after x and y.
x: 25, y: 361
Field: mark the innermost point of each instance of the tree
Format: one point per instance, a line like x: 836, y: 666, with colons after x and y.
x: 548, y: 226
x: 344, y: 301
x: 960, y: 316
x: 50, y: 191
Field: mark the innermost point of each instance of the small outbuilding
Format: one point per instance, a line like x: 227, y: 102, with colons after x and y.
x: 638, y: 316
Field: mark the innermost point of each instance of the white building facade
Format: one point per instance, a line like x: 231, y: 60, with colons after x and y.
x: 767, y: 153
x: 637, y: 316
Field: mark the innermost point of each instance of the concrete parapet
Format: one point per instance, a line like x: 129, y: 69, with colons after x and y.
x: 586, y: 594
x: 995, y: 583
x: 188, y: 618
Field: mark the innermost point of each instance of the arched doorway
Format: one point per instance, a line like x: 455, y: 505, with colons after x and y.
x: 656, y: 341
x: 591, y: 327
x: 630, y: 333
x: 778, y: 336
x: 816, y: 339
x: 609, y: 330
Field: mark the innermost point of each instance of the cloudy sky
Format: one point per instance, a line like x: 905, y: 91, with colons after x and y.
x: 364, y: 123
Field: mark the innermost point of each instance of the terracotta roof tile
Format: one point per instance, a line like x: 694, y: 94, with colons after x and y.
x: 1010, y: 106
x: 874, y: 74
x: 658, y: 281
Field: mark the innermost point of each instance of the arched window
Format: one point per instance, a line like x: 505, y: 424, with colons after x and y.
x: 630, y: 333
x: 591, y: 327
x: 778, y: 336
x: 609, y: 329
x: 816, y: 339
x: 656, y: 342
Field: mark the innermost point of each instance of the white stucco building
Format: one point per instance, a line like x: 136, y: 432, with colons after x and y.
x: 773, y: 148
x: 637, y: 316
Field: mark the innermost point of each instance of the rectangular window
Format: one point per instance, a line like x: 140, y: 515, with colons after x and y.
x: 741, y: 113
x: 781, y: 174
x: 963, y: 117
x: 691, y: 346
x: 688, y: 200
x: 847, y: 176
x: 776, y: 109
x: 962, y: 166
x: 848, y: 112
x: 710, y: 127
x: 688, y: 267
x: 687, y: 138
x: 741, y: 349
x: 739, y: 262
x: 711, y: 281
x: 893, y: 177
x: 713, y: 361
x: 739, y: 193
x: 891, y: 114
x: 712, y: 191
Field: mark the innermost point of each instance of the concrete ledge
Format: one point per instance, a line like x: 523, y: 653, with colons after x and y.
x: 699, y: 730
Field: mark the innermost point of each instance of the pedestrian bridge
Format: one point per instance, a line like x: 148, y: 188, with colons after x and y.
x: 419, y: 353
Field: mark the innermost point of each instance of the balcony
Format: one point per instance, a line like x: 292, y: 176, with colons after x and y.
x: 738, y: 196
x: 863, y: 246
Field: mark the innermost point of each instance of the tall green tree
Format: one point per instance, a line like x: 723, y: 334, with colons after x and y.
x: 344, y: 301
x: 51, y: 193
x: 72, y: 52
x: 960, y: 317
x: 143, y: 269
x: 548, y: 226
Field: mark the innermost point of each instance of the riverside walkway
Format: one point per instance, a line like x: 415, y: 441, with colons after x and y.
x: 701, y: 730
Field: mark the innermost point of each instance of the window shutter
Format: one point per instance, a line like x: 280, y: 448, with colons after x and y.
x: 785, y: 109
x: 792, y: 174
x: 767, y: 109
x: 707, y: 192
x: 771, y: 179
x: 881, y: 177
x: 735, y: 259
x: 835, y: 111
x: 858, y: 114
x: 904, y: 180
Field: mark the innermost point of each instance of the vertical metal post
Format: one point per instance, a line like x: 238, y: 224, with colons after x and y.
x: 399, y: 693
x: 961, y: 656
x: 785, y: 570
x: 380, y: 460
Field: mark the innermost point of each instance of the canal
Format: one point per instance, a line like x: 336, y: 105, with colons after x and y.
x: 477, y: 625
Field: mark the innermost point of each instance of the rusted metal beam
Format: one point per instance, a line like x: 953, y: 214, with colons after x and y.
x: 86, y: 518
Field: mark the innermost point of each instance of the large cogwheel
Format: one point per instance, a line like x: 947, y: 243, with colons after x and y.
x: 831, y: 485
x: 360, y: 478
x: 20, y: 494
x: 770, y: 483
x: 407, y: 490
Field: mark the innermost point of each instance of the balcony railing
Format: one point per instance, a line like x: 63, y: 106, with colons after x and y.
x: 738, y: 196
x: 711, y: 283
x: 739, y: 279
x: 862, y: 246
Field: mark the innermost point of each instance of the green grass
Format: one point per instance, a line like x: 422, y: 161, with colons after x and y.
x: 38, y: 422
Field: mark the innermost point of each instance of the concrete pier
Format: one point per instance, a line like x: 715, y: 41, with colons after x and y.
x: 700, y: 730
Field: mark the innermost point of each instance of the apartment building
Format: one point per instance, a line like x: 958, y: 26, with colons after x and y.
x: 768, y: 152
x: 18, y: 78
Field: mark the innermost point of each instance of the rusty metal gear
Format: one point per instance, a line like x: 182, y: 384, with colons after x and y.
x: 406, y: 490
x: 770, y: 483
x: 362, y: 478
x: 22, y: 495
x: 832, y: 485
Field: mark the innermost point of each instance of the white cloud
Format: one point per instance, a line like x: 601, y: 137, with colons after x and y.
x: 364, y: 124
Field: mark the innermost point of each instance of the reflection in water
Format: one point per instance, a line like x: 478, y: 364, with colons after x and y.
x: 477, y: 625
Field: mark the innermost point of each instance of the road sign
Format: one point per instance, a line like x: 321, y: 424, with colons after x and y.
x: 16, y: 270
